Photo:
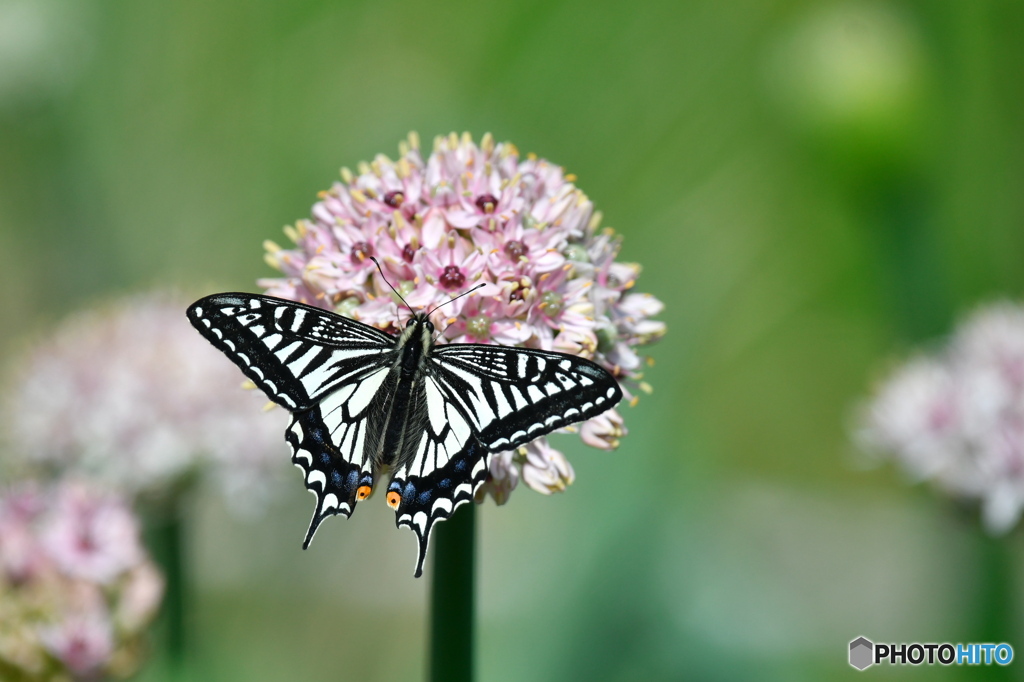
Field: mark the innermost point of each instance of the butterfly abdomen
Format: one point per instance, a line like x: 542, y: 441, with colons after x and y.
x: 396, y: 421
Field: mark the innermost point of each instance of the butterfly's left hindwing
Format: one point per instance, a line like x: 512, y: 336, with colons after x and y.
x: 329, y: 445
x: 327, y: 473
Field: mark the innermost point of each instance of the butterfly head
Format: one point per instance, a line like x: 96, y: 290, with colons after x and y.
x: 421, y: 319
x: 418, y: 332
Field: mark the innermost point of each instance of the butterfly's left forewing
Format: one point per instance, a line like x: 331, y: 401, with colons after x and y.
x: 485, y: 399
x: 295, y: 353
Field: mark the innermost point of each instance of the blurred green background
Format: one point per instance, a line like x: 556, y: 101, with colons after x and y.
x: 812, y: 188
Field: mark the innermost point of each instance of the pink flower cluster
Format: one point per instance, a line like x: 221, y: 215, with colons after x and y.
x: 76, y: 586
x: 133, y: 397
x: 956, y: 417
x: 466, y: 215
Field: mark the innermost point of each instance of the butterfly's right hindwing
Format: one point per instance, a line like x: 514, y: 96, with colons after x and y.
x: 295, y: 353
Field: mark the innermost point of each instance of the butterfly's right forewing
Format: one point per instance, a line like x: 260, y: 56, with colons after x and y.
x: 514, y: 395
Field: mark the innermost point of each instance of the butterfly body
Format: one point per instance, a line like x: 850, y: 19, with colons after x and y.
x: 399, y: 410
x: 366, y: 404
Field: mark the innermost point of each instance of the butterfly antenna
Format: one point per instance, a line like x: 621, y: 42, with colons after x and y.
x: 390, y: 285
x: 455, y: 298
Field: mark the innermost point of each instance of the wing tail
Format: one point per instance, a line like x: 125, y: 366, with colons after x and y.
x: 426, y: 500
x: 335, y: 480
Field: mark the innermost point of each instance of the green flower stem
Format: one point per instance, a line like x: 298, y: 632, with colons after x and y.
x: 996, y: 597
x: 451, y: 598
x: 167, y: 534
x: 916, y: 283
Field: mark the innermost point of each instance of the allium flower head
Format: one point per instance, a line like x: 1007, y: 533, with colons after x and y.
x: 77, y: 610
x: 130, y: 396
x: 956, y: 417
x: 467, y: 215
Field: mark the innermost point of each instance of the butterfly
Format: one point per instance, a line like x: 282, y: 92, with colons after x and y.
x: 367, y: 405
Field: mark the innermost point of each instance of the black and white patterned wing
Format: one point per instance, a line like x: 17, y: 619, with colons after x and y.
x: 296, y: 353
x: 513, y: 395
x: 485, y: 399
x: 328, y: 444
x: 433, y: 486
x: 326, y: 369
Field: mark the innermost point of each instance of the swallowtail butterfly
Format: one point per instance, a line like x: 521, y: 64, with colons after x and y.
x: 367, y: 405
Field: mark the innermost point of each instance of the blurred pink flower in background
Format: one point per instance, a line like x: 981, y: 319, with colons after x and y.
x: 956, y: 416
x: 130, y: 396
x: 76, y: 586
x: 466, y: 215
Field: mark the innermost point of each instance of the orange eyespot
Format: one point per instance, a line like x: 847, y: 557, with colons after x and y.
x: 363, y: 492
x: 394, y: 499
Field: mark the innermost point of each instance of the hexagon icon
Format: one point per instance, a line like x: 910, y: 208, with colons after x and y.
x: 861, y: 650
